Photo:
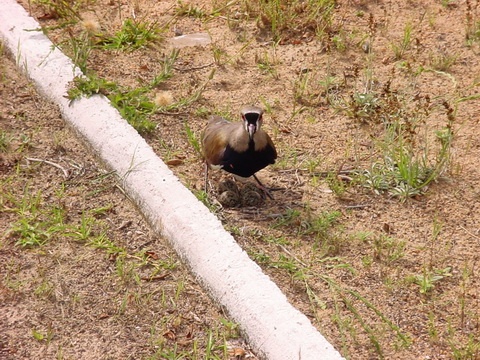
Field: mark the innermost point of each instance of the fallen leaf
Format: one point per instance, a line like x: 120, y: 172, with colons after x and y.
x: 151, y: 255
x: 238, y: 353
x: 174, y: 162
x: 169, y: 334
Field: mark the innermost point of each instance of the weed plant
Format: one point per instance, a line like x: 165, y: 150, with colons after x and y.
x: 66, y: 10
x: 472, y: 31
x: 286, y: 19
x: 39, y: 220
x: 400, y: 48
x: 133, y: 35
x: 35, y: 224
x: 315, y: 274
x: 5, y: 140
x: 413, y: 155
x: 190, y: 10
x: 442, y: 61
x: 135, y: 105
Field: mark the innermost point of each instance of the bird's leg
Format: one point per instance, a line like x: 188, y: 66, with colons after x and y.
x: 263, y: 188
x: 206, y: 177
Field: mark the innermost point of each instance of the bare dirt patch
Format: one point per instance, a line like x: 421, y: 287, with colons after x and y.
x: 383, y: 272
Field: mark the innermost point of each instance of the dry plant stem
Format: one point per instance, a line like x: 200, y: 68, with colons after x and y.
x: 172, y: 113
x: 358, y: 206
x: 122, y: 191
x: 339, y: 172
x: 154, y: 278
x: 194, y: 67
x: 292, y: 255
x: 65, y: 172
x: 470, y: 233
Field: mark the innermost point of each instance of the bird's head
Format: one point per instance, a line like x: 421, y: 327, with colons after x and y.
x: 252, y: 119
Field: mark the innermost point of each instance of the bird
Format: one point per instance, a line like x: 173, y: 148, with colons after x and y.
x: 240, y: 148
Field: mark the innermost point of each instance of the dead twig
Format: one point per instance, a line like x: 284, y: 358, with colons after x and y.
x: 470, y: 233
x: 293, y: 256
x: 65, y: 171
x: 156, y: 277
x: 194, y: 67
x: 173, y: 114
x: 338, y: 173
x: 358, y: 206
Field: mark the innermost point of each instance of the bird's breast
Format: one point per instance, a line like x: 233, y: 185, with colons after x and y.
x: 246, y: 163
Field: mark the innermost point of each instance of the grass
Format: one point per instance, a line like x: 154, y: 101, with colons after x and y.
x: 167, y: 69
x: 472, y: 31
x: 284, y: 20
x: 426, y: 281
x: 321, y: 265
x: 442, y: 61
x: 42, y: 225
x: 413, y: 156
x: 133, y: 104
x: 38, y: 223
x: 136, y: 105
x: 266, y: 64
x: 306, y: 223
x: 306, y: 274
x: 190, y: 10
x: 384, y: 249
x: 336, y: 184
x: 215, y: 349
x: 133, y: 35
x: 401, y: 47
x: 193, y: 140
x: 313, y: 89
x: 81, y: 47
x: 187, y: 101
x: 35, y: 225
x: 60, y: 9
x: 5, y: 140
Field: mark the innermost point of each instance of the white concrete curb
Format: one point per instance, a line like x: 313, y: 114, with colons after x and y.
x: 274, y: 328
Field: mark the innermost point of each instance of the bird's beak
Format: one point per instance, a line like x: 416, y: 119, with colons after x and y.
x: 252, y: 128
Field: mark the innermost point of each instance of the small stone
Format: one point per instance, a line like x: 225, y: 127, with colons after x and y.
x: 366, y: 47
x: 198, y: 39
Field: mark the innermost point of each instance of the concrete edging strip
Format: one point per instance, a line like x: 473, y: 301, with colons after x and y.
x: 273, y: 327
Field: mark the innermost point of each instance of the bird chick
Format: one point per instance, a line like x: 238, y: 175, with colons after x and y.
x: 240, y: 148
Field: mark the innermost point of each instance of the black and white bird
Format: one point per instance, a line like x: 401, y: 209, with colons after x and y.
x: 241, y: 148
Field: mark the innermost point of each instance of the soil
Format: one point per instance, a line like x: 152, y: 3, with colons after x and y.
x: 383, y: 265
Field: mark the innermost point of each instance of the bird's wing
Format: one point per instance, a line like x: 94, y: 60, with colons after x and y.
x: 214, y: 140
